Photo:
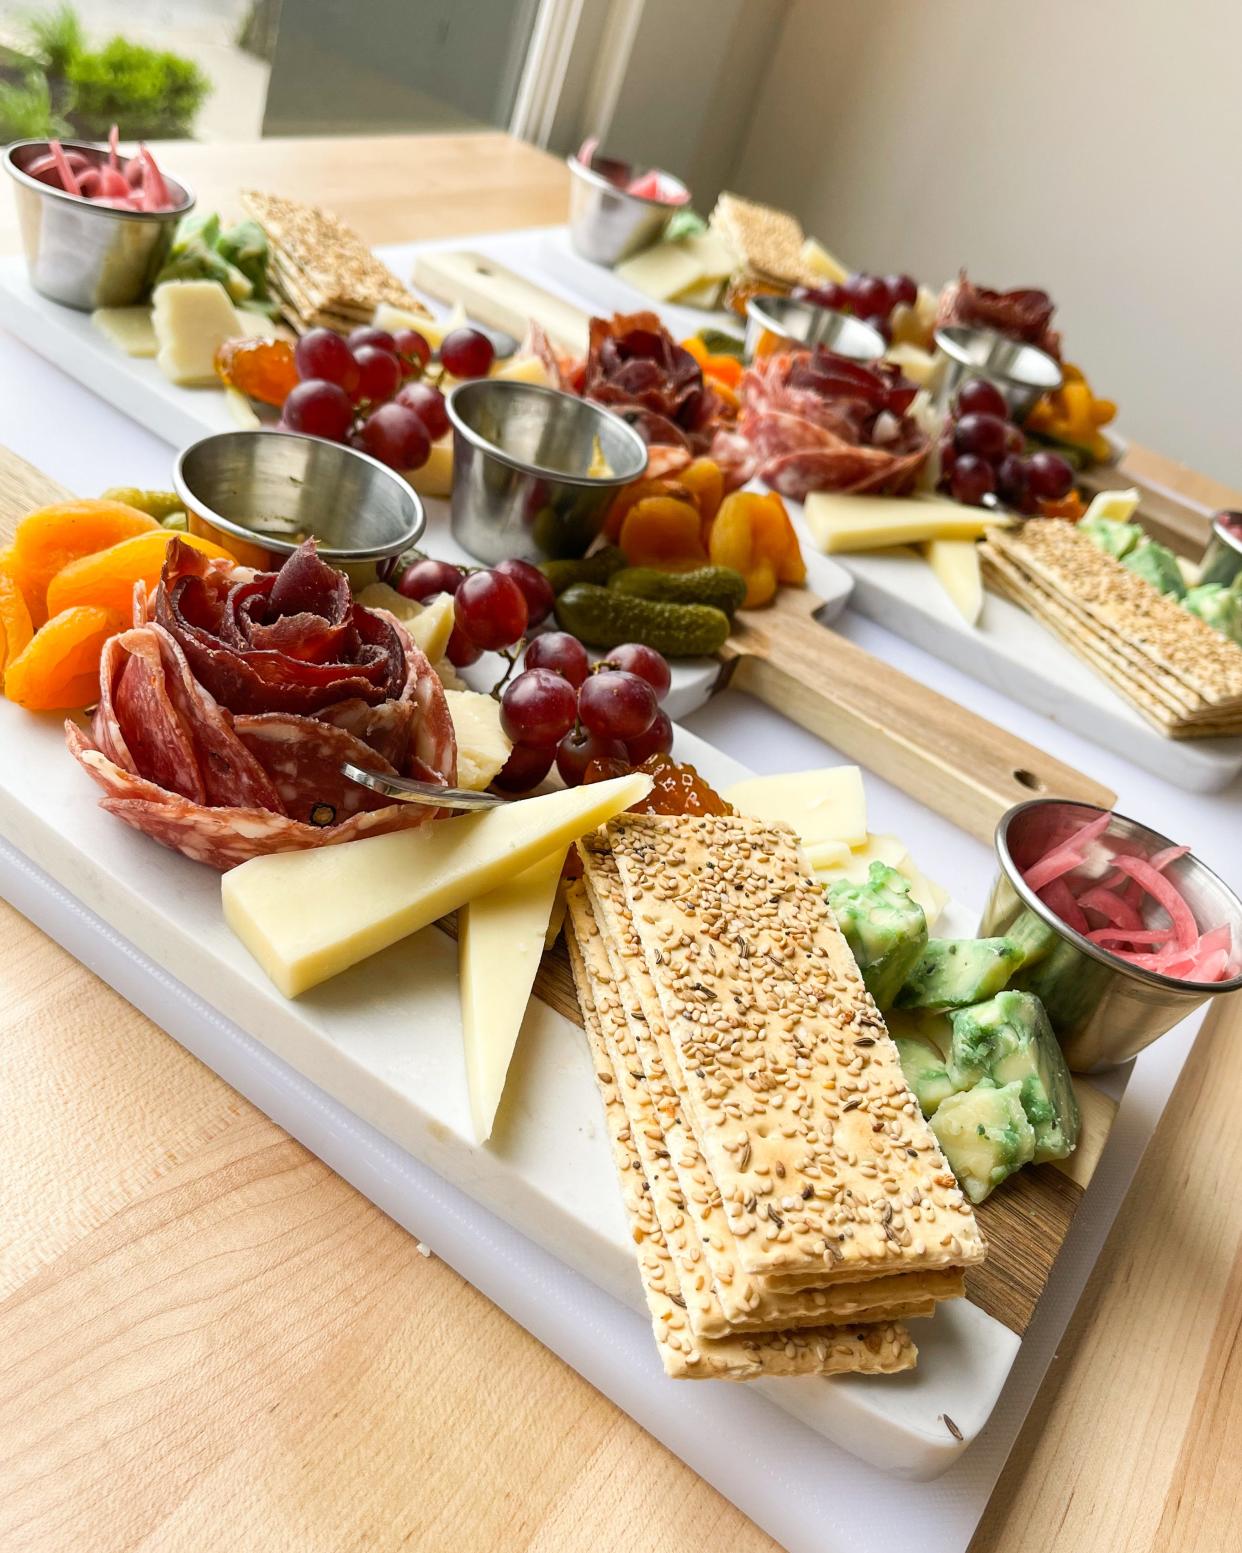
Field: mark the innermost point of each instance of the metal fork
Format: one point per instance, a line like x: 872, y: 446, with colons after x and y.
x: 406, y: 790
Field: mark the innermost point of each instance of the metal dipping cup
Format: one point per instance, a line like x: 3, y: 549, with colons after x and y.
x: 1023, y: 373
x: 521, y: 454
x: 773, y: 323
x: 1103, y: 1009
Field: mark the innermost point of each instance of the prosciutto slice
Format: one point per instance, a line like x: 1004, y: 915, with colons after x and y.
x: 812, y: 421
x: 223, y: 785
x: 1025, y: 314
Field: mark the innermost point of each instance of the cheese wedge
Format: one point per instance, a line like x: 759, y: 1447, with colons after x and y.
x: 912, y: 361
x: 390, y: 317
x: 500, y: 938
x: 435, y: 478
x: 482, y: 744
x: 956, y: 565
x: 432, y: 628
x: 847, y: 523
x: 523, y: 369
x: 243, y: 413
x: 306, y: 916
x: 192, y: 319
x: 129, y: 328
x: 827, y: 854
x: 1116, y: 506
x: 816, y: 258
x: 825, y: 805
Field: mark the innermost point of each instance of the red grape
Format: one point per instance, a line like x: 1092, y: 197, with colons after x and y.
x: 322, y: 354
x: 616, y: 705
x: 1011, y: 478
x: 538, y: 707
x: 646, y: 662
x: 461, y: 651
x: 412, y: 348
x: 579, y: 748
x: 396, y: 436
x: 977, y: 396
x: 948, y: 456
x: 829, y: 295
x: 972, y: 479
x: 379, y: 373
x: 1049, y: 476
x: 981, y: 434
x: 525, y: 768
x: 369, y: 335
x: 658, y: 740
x: 427, y: 402
x: 535, y: 587
x: 901, y: 288
x: 563, y: 654
x: 425, y: 579
x: 467, y: 353
x: 869, y: 296
x: 491, y: 610
x: 1015, y: 442
x: 320, y: 409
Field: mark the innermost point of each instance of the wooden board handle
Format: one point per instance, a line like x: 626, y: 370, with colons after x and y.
x: 948, y: 758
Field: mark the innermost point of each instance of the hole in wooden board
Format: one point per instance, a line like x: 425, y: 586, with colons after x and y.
x: 1029, y: 780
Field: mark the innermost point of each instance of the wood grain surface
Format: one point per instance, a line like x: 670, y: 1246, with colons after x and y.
x: 208, y: 1340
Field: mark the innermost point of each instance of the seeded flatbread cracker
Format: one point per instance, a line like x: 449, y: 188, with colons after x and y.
x: 883, y: 1348
x: 720, y: 1294
x: 823, y: 1160
x: 767, y: 241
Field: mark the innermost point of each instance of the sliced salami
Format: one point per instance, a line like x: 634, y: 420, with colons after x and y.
x: 302, y: 757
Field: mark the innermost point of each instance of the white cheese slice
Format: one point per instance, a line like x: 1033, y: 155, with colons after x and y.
x: 482, y: 744
x: 956, y: 565
x: 1115, y: 506
x: 523, y: 369
x: 244, y: 415
x: 890, y: 850
x: 500, y: 939
x: 816, y: 258
x: 432, y: 627
x: 378, y: 595
x: 847, y: 523
x: 435, y: 478
x: 912, y: 361
x: 557, y: 920
x: 827, y: 854
x: 306, y: 916
x: 129, y: 328
x: 388, y: 316
x: 706, y: 295
x: 192, y: 319
x: 660, y: 272
x: 824, y: 805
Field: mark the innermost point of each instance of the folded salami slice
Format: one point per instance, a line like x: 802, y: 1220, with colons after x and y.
x: 1025, y: 314
x: 635, y: 367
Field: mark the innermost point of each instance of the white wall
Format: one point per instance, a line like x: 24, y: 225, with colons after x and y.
x: 1091, y: 147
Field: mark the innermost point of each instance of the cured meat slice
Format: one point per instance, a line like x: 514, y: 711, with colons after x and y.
x: 634, y: 366
x: 302, y: 757
x: 1024, y: 314
x: 223, y: 837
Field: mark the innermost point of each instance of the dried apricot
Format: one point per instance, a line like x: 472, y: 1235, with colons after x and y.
x: 775, y: 538
x: 59, y: 668
x: 107, y: 577
x: 16, y: 627
x: 752, y: 534
x: 704, y: 479
x: 627, y: 497
x: 49, y: 538
x: 261, y: 369
x: 662, y: 531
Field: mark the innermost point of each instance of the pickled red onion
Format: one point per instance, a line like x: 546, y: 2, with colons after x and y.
x: 1058, y: 897
x: 1069, y: 854
x: 1166, y: 894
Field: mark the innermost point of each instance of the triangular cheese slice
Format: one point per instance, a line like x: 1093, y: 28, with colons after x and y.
x: 500, y: 939
x: 306, y: 916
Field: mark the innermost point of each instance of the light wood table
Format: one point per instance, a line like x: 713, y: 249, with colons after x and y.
x: 207, y: 1339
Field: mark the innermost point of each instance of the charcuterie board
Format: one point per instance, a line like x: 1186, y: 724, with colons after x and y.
x: 504, y: 274
x: 547, y: 1170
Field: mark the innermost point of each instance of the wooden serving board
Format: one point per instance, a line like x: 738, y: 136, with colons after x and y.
x: 782, y: 651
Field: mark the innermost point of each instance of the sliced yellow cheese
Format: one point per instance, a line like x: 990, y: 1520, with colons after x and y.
x: 847, y: 523
x: 433, y: 626
x: 244, y: 415
x: 523, y: 369
x: 706, y: 294
x: 892, y: 851
x: 306, y: 916
x: 435, y: 478
x: 192, y: 319
x: 1114, y: 506
x: 930, y: 896
x: 129, y: 328
x: 912, y: 361
x: 1191, y: 570
x: 557, y: 920
x: 816, y: 258
x: 660, y: 272
x: 482, y: 744
x: 500, y: 939
x: 956, y: 565
x: 390, y: 317
x: 822, y: 806
x: 378, y: 595
x: 827, y: 854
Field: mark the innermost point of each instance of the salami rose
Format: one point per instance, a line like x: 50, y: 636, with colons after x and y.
x: 635, y: 367
x: 223, y: 723
x: 1025, y: 314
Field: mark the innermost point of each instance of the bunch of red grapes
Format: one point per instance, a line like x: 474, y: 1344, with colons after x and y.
x: 558, y: 708
x: 370, y: 390
x: 982, y: 454
x: 872, y: 297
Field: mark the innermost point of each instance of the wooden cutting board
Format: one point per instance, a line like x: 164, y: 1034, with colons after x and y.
x: 926, y: 745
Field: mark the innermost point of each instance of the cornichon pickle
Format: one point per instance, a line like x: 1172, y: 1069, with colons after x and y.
x: 156, y: 504
x: 719, y: 586
x: 597, y: 568
x: 602, y: 617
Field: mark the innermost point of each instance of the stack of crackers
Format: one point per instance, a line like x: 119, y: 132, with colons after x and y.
x: 789, y: 1204
x: 1183, y: 676
x: 768, y: 245
x: 321, y: 271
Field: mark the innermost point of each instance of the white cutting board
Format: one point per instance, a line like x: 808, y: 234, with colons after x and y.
x: 384, y: 1039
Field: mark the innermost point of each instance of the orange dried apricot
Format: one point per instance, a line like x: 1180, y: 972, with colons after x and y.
x: 627, y: 497
x: 662, y: 531
x: 775, y: 538
x: 59, y: 667
x: 704, y: 479
x: 49, y: 538
x: 16, y: 627
x: 734, y: 543
x: 107, y: 577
